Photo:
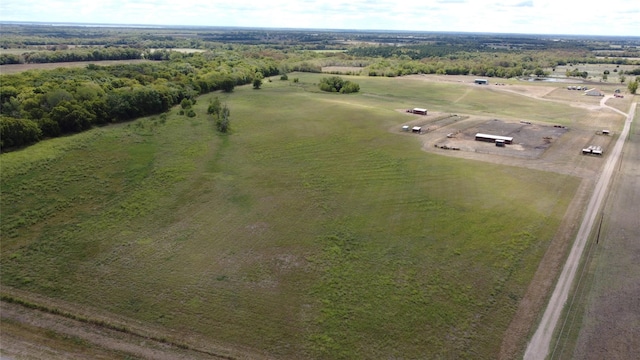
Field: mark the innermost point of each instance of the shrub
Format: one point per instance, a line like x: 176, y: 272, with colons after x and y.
x: 18, y: 132
x: 337, y: 84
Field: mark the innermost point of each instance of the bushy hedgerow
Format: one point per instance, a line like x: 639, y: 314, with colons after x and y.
x: 337, y: 84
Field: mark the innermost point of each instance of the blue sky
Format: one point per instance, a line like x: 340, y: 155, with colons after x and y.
x: 579, y: 17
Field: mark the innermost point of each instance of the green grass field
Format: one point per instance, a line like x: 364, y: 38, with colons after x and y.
x: 308, y: 232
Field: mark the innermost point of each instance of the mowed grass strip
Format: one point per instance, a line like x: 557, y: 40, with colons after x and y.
x: 309, y: 231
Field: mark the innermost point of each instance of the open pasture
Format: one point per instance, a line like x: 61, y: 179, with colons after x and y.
x: 311, y: 231
x: 596, y: 72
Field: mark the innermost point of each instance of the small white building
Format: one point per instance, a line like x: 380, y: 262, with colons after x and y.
x: 593, y: 149
x: 419, y: 111
x: 494, y: 138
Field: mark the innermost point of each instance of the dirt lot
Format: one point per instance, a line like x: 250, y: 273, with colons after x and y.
x: 535, y: 145
x: 529, y: 140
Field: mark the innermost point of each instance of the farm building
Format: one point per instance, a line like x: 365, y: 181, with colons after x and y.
x: 494, y: 138
x: 416, y: 129
x: 419, y: 111
x: 405, y: 128
x: 593, y: 92
x: 481, y: 81
x: 593, y: 149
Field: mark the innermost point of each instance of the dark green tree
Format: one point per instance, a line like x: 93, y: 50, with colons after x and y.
x: 185, y: 104
x: 337, y: 84
x: 214, y: 107
x: 223, y: 119
x: 227, y: 84
x: 18, y: 132
x: 633, y: 86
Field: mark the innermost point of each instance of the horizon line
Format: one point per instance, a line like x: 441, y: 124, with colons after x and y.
x: 169, y: 26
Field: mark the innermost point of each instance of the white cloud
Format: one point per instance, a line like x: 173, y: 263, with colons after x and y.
x: 616, y: 17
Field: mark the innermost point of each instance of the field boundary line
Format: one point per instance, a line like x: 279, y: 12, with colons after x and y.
x: 109, y: 324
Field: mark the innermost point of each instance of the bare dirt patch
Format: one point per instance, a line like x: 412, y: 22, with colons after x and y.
x: 535, y: 145
x: 529, y: 140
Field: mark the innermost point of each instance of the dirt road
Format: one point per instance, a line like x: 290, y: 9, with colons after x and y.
x: 538, y: 347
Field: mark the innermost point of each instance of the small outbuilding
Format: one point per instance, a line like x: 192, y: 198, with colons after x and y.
x: 405, y: 128
x: 419, y: 111
x: 481, y: 81
x: 592, y: 149
x: 416, y: 129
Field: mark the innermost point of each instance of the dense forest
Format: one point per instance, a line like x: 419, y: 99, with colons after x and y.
x: 41, y: 104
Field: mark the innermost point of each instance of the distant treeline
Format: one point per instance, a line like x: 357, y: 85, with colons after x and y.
x: 77, y: 54
x: 414, y: 52
x: 43, y: 104
x: 470, y: 59
x: 453, y: 51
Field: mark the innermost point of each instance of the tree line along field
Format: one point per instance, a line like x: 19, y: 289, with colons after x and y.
x: 309, y: 230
